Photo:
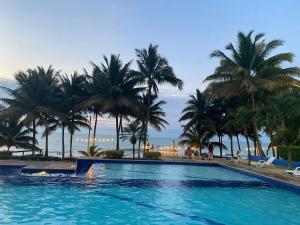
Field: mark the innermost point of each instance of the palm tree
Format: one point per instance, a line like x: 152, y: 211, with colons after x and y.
x: 97, y: 87
x: 243, y: 117
x: 155, y: 71
x: 31, y: 98
x: 49, y: 82
x: 198, y: 138
x: 196, y: 111
x: 72, y: 93
x: 92, y: 151
x: 249, y: 70
x: 14, y: 133
x: 131, y: 132
x: 217, y: 115
x: 230, y: 131
x: 155, y: 113
x: 121, y: 91
x: 200, y: 117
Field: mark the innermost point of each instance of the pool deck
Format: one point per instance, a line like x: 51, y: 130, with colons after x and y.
x: 274, y: 173
x: 40, y: 165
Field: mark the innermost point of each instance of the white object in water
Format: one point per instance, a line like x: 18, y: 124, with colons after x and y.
x: 41, y: 174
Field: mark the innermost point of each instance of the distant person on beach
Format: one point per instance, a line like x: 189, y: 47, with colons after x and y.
x: 147, y: 148
x: 187, y: 152
x: 210, y: 152
x: 152, y: 147
x: 174, y: 145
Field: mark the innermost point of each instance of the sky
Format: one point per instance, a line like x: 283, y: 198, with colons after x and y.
x: 68, y: 34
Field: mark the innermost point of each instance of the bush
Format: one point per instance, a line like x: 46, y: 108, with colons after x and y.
x: 282, y: 152
x: 113, y: 154
x: 152, y: 155
x: 38, y: 158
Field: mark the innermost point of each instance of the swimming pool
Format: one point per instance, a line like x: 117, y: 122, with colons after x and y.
x: 146, y: 194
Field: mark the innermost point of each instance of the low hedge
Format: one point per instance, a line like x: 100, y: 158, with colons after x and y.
x: 33, y: 158
x: 38, y: 158
x: 113, y: 154
x: 282, y: 152
x: 152, y: 155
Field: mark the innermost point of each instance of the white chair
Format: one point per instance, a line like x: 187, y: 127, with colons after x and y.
x: 296, y: 171
x: 262, y: 163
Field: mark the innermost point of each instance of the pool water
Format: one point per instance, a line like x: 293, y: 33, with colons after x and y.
x: 146, y: 194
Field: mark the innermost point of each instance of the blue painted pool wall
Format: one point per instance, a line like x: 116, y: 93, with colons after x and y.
x: 84, y: 164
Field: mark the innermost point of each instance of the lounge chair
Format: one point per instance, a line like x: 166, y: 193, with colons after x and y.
x: 296, y: 171
x: 262, y: 163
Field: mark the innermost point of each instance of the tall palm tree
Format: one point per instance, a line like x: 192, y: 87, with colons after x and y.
x: 230, y: 131
x: 155, y: 113
x: 97, y: 88
x: 121, y: 92
x: 243, y: 116
x: 155, y: 71
x: 72, y: 93
x: 200, y: 120
x: 249, y: 70
x: 131, y: 132
x: 31, y: 98
x: 197, y: 113
x: 217, y: 115
x: 49, y: 82
x: 14, y: 133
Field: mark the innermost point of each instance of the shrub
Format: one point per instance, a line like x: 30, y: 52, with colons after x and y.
x: 38, y: 158
x: 282, y: 152
x: 152, y: 155
x: 113, y: 154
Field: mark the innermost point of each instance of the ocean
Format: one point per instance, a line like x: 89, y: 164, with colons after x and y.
x: 108, y: 142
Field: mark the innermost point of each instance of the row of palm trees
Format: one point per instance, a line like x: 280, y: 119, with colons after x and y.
x: 47, y: 98
x: 250, y: 92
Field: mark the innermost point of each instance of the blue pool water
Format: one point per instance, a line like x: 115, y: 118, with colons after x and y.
x: 146, y: 194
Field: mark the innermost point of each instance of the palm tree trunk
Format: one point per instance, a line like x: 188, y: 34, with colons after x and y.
x: 120, y: 126
x: 63, y: 141
x: 272, y: 145
x: 255, y: 146
x: 256, y: 135
x: 200, y: 147
x: 89, y: 133
x: 46, y: 135
x: 33, y: 136
x: 248, y: 146
x: 289, y: 159
x: 273, y: 151
x: 221, y: 146
x: 139, y: 149
x: 238, y: 142
x: 219, y: 137
x: 117, y: 133
x: 95, y: 128
x: 145, y: 133
x: 133, y: 151
x: 148, y: 114
x: 231, y: 146
x: 71, y: 142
